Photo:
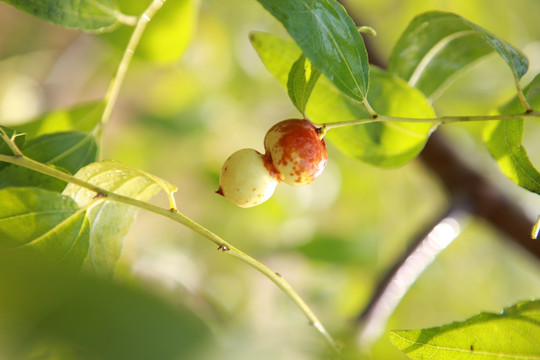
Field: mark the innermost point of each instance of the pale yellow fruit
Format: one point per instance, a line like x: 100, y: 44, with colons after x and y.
x: 246, y: 180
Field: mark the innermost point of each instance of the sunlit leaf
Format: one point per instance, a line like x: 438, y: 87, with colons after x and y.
x: 513, y: 334
x: 88, y: 15
x: 171, y: 32
x: 166, y: 37
x: 39, y: 221
x: 110, y: 221
x: 329, y: 39
x: 385, y: 144
x: 67, y: 151
x: 382, y: 144
x: 437, y: 45
x: 276, y: 53
x: 82, y: 117
x: 301, y: 81
x: 47, y: 308
x: 504, y: 141
x: 4, y: 148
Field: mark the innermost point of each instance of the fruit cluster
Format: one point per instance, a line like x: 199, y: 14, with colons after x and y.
x: 294, y: 154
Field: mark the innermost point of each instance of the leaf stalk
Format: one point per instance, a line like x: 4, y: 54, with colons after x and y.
x: 522, y: 98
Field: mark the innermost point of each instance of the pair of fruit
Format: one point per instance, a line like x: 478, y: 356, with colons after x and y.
x: 295, y: 154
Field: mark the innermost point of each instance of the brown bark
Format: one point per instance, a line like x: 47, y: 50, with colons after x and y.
x: 484, y: 199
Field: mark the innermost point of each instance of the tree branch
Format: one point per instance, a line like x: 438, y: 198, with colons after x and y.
x: 397, y: 281
x: 465, y: 185
x: 486, y: 201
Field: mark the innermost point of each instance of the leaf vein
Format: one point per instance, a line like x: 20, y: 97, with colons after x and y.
x: 430, y: 55
x: 467, y: 351
x: 329, y: 33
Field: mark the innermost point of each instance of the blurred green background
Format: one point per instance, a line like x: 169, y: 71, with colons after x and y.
x: 188, y: 102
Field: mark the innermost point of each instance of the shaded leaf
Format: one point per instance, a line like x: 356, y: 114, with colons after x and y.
x: 110, y: 221
x: 15, y: 176
x: 83, y: 117
x: 39, y: 221
x: 438, y: 45
x: 382, y: 144
x: 329, y: 39
x: 88, y: 15
x: 504, y: 141
x: 301, y: 81
x: 46, y: 307
x: 67, y: 151
x: 4, y: 148
x: 513, y: 334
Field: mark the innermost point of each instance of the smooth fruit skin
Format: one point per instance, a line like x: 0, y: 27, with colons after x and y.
x: 245, y: 178
x: 296, y: 150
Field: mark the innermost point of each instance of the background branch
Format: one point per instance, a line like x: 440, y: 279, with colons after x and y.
x: 486, y: 201
x: 397, y: 281
x: 464, y: 185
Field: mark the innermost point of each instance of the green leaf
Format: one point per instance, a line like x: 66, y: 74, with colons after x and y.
x: 83, y: 117
x: 88, y: 15
x: 110, y: 221
x: 329, y: 39
x: 47, y: 308
x: 4, y: 148
x: 14, y: 176
x: 67, y: 151
x: 168, y: 35
x: 504, y: 141
x: 382, y: 144
x: 437, y: 46
x: 301, y: 81
x: 513, y: 334
x: 340, y: 251
x: 39, y: 221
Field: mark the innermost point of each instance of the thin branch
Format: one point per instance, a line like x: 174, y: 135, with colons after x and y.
x: 435, y: 120
x: 184, y: 220
x: 393, y: 287
x: 118, y: 78
x: 486, y: 200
